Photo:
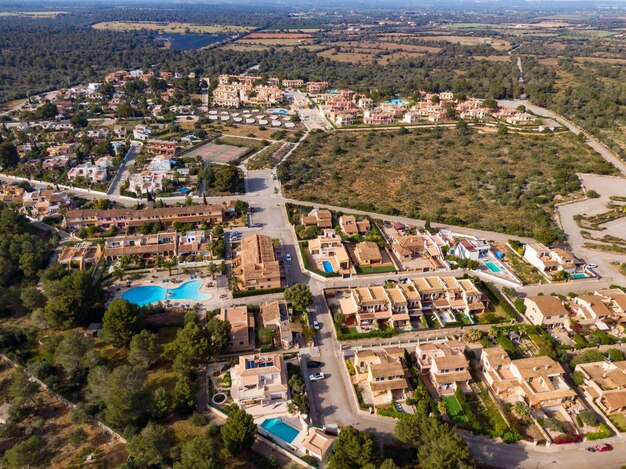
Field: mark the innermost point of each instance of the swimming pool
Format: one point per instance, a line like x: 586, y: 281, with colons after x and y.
x: 148, y: 294
x: 579, y: 276
x: 397, y: 101
x: 493, y: 267
x: 328, y: 267
x: 280, y: 429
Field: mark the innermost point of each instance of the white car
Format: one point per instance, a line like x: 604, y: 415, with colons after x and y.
x: 288, y: 257
x: 316, y: 325
x: 592, y: 266
x: 316, y: 376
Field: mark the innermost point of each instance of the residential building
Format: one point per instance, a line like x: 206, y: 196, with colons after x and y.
x: 259, y: 379
x: 142, y: 132
x: 615, y: 299
x: 241, y: 328
x: 316, y: 86
x: 590, y: 308
x: 378, y: 117
x: 123, y: 218
x: 368, y: 254
x: 329, y: 248
x: 293, y: 83
x: 472, y: 249
x: 367, y: 307
x: 445, y: 365
x: 166, y: 244
x: 351, y: 226
x: 275, y: 315
x: 546, y: 310
x: 93, y: 173
x: 382, y: 375
x: 82, y: 256
x: 162, y: 147
x: 321, y: 218
x: 550, y: 261
x: 420, y: 246
x: 605, y: 385
x: 256, y: 265
x: 539, y: 381
x: 43, y: 203
x: 317, y: 443
x: 10, y: 194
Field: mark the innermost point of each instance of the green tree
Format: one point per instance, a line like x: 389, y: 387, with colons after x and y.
x: 32, y: 298
x: 300, y: 297
x: 75, y: 353
x: 239, y: 431
x: 22, y: 388
x: 184, y: 394
x: 145, y: 349
x: 153, y: 446
x: 121, y: 321
x: 123, y: 392
x: 218, y: 332
x: 442, y: 448
x: 24, y: 453
x: 71, y: 299
x: 615, y: 355
x: 202, y: 452
x: 161, y: 402
x: 353, y: 448
x: 192, y: 347
x: 9, y: 157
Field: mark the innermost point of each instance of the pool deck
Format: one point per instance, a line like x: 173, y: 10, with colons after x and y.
x: 155, y: 278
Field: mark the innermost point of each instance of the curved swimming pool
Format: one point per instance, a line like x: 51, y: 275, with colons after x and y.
x: 148, y: 294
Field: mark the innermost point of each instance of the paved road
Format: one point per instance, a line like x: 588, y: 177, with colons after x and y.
x: 124, y: 169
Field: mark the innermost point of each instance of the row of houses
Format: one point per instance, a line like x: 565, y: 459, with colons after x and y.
x: 585, y: 309
x: 124, y: 218
x: 40, y: 203
x: 256, y: 265
x: 399, y: 305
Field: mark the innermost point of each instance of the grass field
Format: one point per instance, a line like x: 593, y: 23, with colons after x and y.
x: 498, y: 183
x: 496, y: 43
x: 170, y: 28
x: 454, y: 410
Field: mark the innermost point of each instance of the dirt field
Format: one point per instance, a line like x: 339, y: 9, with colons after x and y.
x: 278, y: 36
x: 213, y: 153
x: 55, y: 433
x: 274, y: 42
x: 499, y: 183
x: 170, y: 27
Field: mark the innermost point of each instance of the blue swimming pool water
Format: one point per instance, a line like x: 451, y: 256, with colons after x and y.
x: 397, y: 101
x: 280, y: 429
x: 148, y: 294
x: 328, y: 267
x: 578, y: 276
x: 493, y: 267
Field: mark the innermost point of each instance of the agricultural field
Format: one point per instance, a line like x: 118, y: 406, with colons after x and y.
x: 170, y: 28
x: 366, y: 51
x: 34, y: 14
x: 506, y: 183
x: 496, y: 43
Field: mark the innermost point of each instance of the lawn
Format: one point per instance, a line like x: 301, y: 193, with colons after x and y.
x: 454, y: 410
x: 619, y: 420
x: 375, y: 269
x: 499, y: 183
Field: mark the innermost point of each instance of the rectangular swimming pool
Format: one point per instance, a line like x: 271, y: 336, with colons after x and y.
x: 280, y: 429
x: 493, y: 267
x: 328, y: 267
x: 579, y: 276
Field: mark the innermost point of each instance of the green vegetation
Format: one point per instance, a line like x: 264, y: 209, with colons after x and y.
x: 510, y: 182
x: 454, y: 410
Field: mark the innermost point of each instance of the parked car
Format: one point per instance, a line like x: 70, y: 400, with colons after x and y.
x: 314, y: 364
x: 403, y: 279
x: 316, y: 325
x: 602, y: 448
x: 592, y: 266
x: 398, y: 407
x: 288, y: 257
x: 316, y: 376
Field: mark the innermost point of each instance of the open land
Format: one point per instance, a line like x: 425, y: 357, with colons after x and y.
x: 169, y: 27
x: 498, y: 183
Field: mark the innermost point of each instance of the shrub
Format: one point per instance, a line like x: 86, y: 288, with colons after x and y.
x: 552, y: 424
x: 603, y: 432
x: 588, y: 418
x: 567, y: 438
x: 244, y: 293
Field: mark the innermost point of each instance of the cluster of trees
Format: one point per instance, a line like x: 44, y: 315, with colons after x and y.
x: 220, y: 178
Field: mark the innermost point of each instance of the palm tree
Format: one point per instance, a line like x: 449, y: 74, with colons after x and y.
x: 118, y: 273
x: 212, y: 270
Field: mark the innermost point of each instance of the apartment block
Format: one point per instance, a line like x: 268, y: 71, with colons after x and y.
x: 256, y: 265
